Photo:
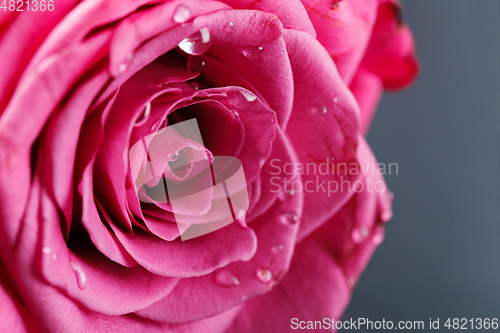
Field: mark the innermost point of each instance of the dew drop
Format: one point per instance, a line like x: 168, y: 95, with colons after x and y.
x: 195, y: 65
x: 356, y: 236
x: 351, y: 282
x: 145, y: 116
x: 291, y: 218
x: 195, y: 85
x: 363, y: 231
x: 81, y: 279
x: 54, y: 256
x: 46, y: 250
x: 175, y: 157
x: 123, y: 66
x: 196, y: 44
x: 229, y: 27
x: 181, y: 14
x: 322, y: 109
x: 250, y: 97
x: 264, y: 275
x: 252, y: 51
x: 285, y: 195
x: 386, y: 215
x: 378, y: 236
x: 277, y: 249
x: 336, y: 99
x: 159, y: 125
x: 234, y: 114
x: 226, y: 279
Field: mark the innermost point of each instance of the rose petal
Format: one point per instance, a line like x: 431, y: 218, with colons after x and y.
x: 343, y: 28
x: 391, y: 51
x: 47, y: 85
x: 357, y: 229
x: 16, y: 54
x: 193, y: 257
x: 313, y: 289
x: 207, y: 295
x: 14, y: 317
x: 323, y: 129
x: 291, y: 13
x: 367, y: 87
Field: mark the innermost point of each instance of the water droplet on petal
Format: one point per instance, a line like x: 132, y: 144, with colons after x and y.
x: 181, y: 14
x: 356, y: 235
x: 196, y: 44
x: 322, y: 109
x: 264, y: 275
x: 226, y: 279
x: 291, y: 218
x: 81, y: 279
x: 285, y: 195
x: 195, y: 85
x: 123, y: 66
x: 351, y: 282
x: 46, y: 250
x: 277, y: 249
x: 159, y: 125
x: 195, y: 65
x: 363, y: 231
x: 252, y: 51
x: 229, y: 27
x: 250, y: 97
x: 145, y: 116
x: 234, y: 114
x: 378, y: 236
x: 174, y: 157
x: 386, y: 216
x: 54, y: 256
x: 336, y: 99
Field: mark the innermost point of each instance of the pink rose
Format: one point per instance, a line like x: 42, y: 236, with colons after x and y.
x: 86, y: 246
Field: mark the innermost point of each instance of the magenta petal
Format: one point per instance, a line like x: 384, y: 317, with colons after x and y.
x: 14, y: 317
x: 190, y: 258
x: 22, y: 121
x: 313, y: 289
x: 197, y: 298
x: 134, y: 30
x: 343, y: 28
x: 60, y: 139
x: 254, y: 58
x: 290, y: 12
x: 391, y: 51
x: 14, y: 52
x: 112, y: 289
x: 358, y: 228
x: 323, y: 129
x: 367, y: 87
x: 270, y: 181
x: 89, y: 277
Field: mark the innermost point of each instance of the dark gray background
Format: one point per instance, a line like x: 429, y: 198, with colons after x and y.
x: 441, y: 254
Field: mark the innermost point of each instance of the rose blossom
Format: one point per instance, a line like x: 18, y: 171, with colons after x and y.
x: 82, y: 249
